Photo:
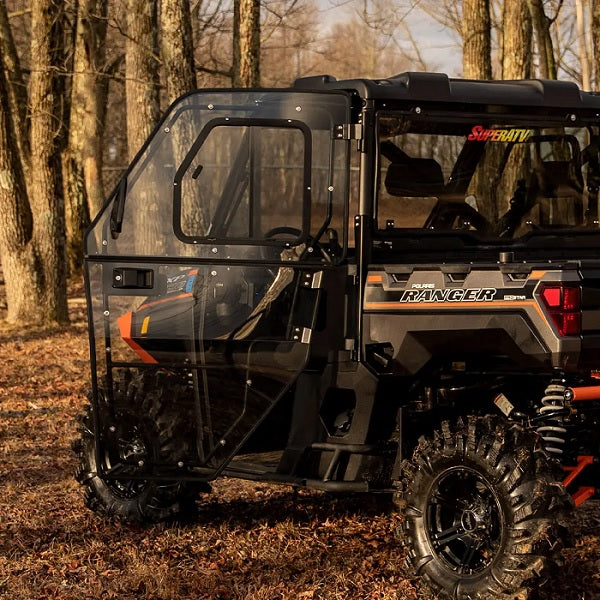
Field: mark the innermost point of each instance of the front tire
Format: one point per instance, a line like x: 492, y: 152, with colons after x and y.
x: 481, y: 506
x: 150, y: 414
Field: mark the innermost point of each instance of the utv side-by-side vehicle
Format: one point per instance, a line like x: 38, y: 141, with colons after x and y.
x: 383, y: 286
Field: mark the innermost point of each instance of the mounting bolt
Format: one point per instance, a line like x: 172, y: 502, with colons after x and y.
x: 112, y: 428
x: 249, y: 382
x: 180, y: 464
x: 140, y: 463
x: 106, y: 313
x: 222, y: 442
x: 167, y: 130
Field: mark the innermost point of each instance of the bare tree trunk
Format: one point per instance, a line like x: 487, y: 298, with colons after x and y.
x: 517, y: 64
x: 46, y: 197
x: 476, y: 34
x: 541, y: 25
x: 517, y: 40
x: 84, y: 193
x: 246, y: 53
x: 177, y: 48
x: 178, y: 62
x: 596, y: 40
x: 141, y: 72
x: 16, y: 88
x: 584, y: 59
x: 477, y: 64
x: 141, y: 91
x: 589, y: 45
x: 23, y: 292
x: 235, y: 66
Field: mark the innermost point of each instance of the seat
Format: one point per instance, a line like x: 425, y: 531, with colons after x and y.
x: 409, y: 177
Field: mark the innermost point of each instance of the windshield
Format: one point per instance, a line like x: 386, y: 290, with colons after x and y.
x: 495, y: 180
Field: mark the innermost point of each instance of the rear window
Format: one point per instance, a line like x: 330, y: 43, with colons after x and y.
x: 496, y: 180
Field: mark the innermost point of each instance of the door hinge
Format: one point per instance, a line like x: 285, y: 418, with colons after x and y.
x: 348, y: 131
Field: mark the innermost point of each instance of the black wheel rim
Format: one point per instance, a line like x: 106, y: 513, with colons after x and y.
x: 464, y: 520
x: 126, y: 450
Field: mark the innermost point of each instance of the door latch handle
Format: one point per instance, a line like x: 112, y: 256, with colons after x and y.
x: 133, y: 278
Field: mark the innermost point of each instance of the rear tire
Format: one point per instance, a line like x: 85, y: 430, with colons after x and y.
x: 151, y: 412
x: 482, y: 508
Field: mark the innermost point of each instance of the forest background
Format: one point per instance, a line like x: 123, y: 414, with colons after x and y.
x: 83, y: 82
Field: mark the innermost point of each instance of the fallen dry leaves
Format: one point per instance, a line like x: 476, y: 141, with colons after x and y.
x: 250, y: 541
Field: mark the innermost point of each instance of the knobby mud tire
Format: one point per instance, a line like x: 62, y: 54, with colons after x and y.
x: 482, y: 507
x: 151, y: 409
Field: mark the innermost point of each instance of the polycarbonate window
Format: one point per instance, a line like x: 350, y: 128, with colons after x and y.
x: 264, y: 159
x: 244, y: 181
x: 497, y: 180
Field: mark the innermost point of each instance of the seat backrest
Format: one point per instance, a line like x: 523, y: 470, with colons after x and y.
x: 558, y: 194
x: 558, y: 178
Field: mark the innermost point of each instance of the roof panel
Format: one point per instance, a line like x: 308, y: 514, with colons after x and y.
x: 438, y: 87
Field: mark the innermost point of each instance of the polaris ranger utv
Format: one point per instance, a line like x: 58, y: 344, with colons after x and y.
x: 381, y: 286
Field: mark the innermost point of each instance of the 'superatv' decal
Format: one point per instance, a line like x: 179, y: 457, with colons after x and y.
x: 483, y: 134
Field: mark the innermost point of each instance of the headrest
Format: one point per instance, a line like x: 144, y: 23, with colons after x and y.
x: 418, y: 177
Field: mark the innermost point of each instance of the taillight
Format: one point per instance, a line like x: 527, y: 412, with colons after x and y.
x: 563, y: 304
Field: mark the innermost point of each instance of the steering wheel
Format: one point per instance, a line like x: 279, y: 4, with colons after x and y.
x: 283, y: 230
x: 310, y: 242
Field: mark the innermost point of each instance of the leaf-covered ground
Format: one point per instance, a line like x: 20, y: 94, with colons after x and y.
x: 250, y: 540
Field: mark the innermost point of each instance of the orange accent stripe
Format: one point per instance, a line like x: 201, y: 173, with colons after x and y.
x: 144, y: 306
x: 124, y: 322
x: 537, y: 274
x: 411, y: 305
x: 437, y: 305
x: 533, y: 275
